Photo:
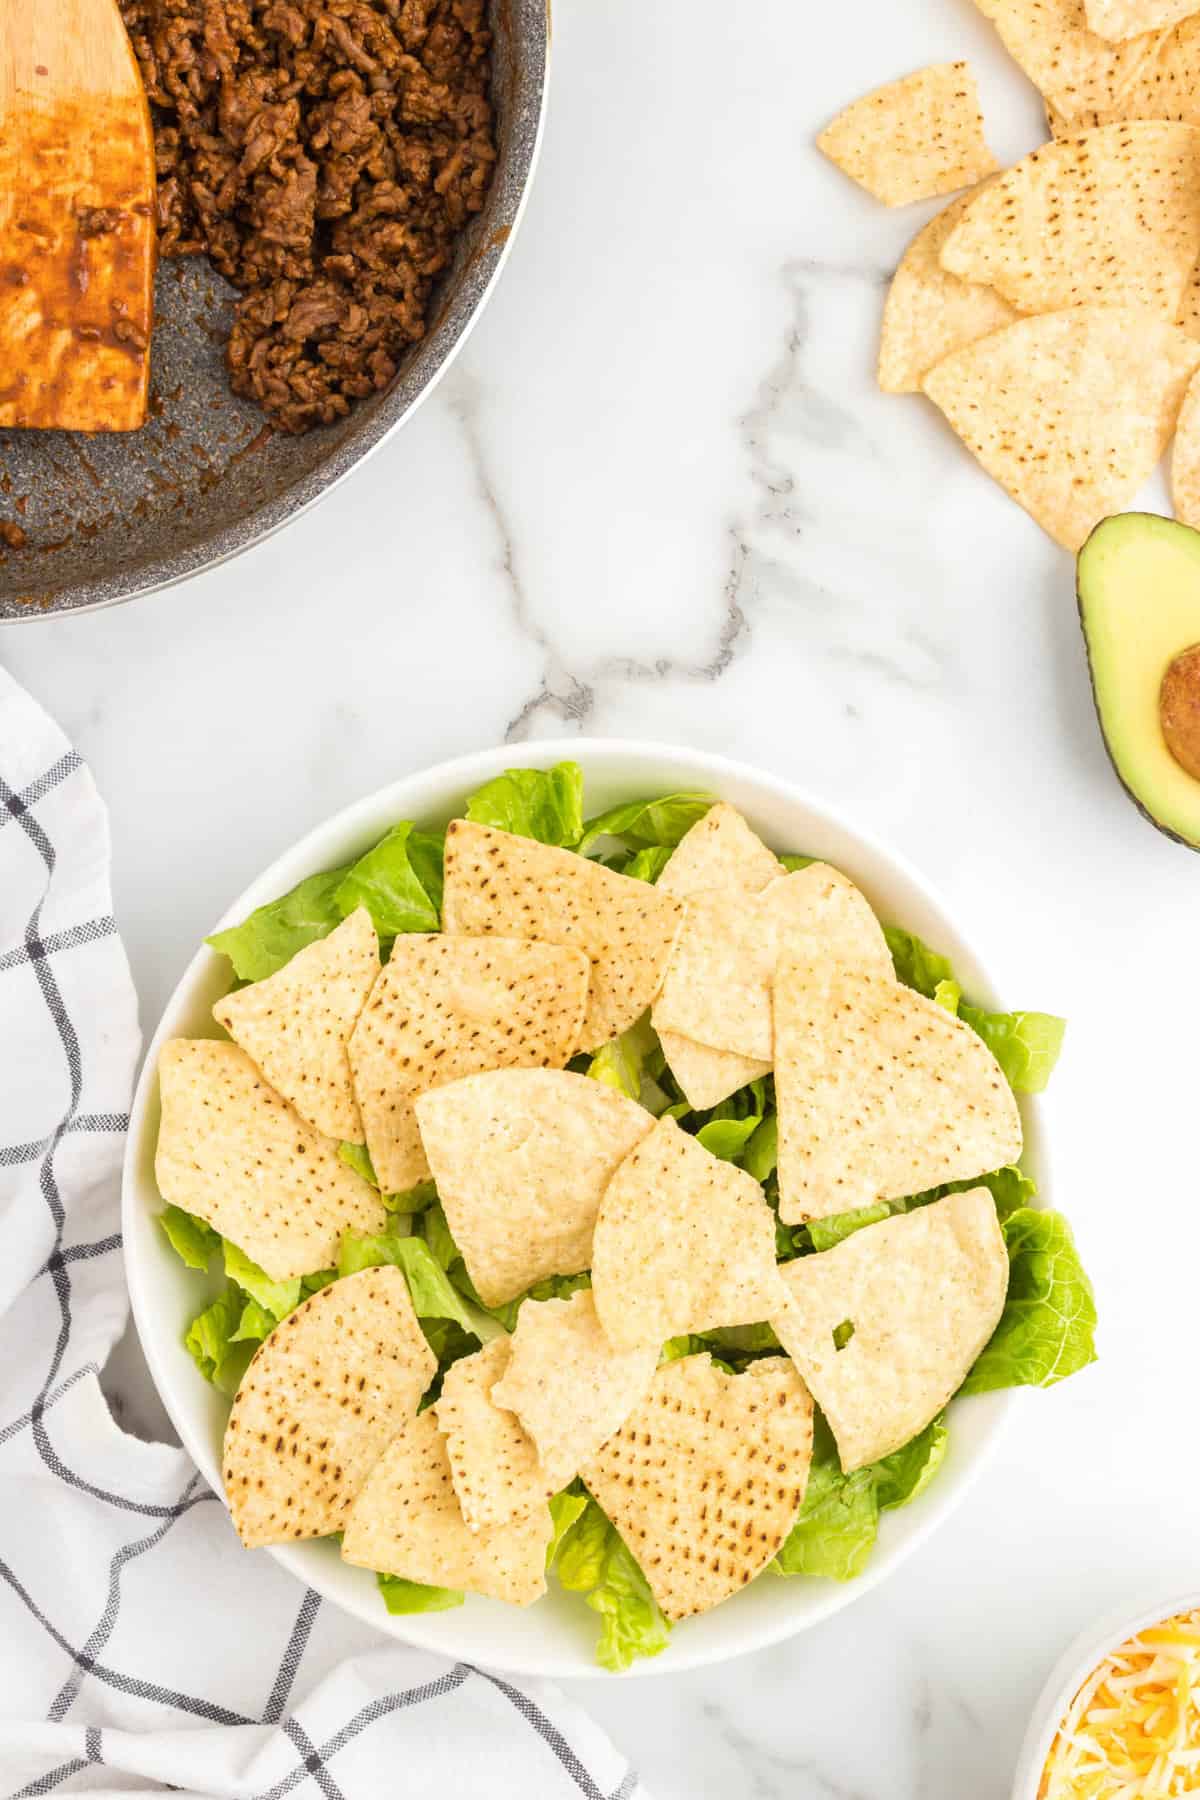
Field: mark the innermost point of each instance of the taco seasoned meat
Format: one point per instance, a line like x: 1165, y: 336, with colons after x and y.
x: 325, y: 155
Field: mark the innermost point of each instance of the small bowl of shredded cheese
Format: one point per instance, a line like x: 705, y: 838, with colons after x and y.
x: 1119, y: 1718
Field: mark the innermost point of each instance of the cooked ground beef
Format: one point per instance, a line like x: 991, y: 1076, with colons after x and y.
x: 325, y: 154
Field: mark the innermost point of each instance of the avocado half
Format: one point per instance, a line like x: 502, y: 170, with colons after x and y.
x: 1138, y: 583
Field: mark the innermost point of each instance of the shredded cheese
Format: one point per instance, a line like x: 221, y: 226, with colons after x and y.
x: 1132, y: 1732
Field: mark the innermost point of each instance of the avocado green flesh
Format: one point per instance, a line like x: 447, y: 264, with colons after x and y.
x: 1139, y: 603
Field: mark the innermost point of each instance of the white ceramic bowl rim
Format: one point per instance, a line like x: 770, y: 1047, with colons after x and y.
x: 1082, y: 1655
x: 560, y: 1640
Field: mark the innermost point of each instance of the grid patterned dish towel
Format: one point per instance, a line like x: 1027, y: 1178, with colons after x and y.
x: 140, y: 1648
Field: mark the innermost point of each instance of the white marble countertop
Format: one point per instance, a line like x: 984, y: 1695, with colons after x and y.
x: 659, y: 496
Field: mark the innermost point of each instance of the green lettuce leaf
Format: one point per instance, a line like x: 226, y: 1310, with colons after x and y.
x: 648, y: 824
x: 1047, y: 1329
x: 211, y: 1341
x: 1025, y: 1044
x: 917, y: 966
x: 728, y: 1138
x: 400, y: 1596
x: 565, y: 1509
x: 275, y: 1297
x: 413, y: 1200
x: 387, y: 884
x: 358, y: 1158
x: 546, y: 804
x: 631, y: 1062
x: 593, y: 1561
x: 434, y: 1295
x: 648, y: 864
x: 762, y: 1152
x: 255, y: 1324
x: 271, y: 936
x: 836, y: 1527
x: 825, y: 1233
x: 792, y: 861
x: 190, y: 1238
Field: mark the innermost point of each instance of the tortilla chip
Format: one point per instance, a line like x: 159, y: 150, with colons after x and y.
x: 234, y: 1153
x: 295, y: 1024
x: 496, y: 882
x: 1185, y: 459
x: 568, y: 1386
x: 1189, y: 309
x: 1117, y: 20
x: 493, y: 1460
x: 720, y: 854
x: 407, y: 1522
x: 450, y: 1006
x: 882, y: 1093
x: 318, y: 1405
x: 1070, y: 412
x: 923, y: 1293
x: 929, y: 312
x: 1165, y: 84
x: 706, y: 1476
x: 719, y: 979
x: 684, y: 1242
x: 1060, y: 126
x: 913, y: 138
x: 1075, y: 70
x: 1111, y: 216
x: 521, y: 1158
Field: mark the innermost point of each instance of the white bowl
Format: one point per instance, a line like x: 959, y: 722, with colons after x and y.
x: 555, y: 1637
x: 1071, y: 1671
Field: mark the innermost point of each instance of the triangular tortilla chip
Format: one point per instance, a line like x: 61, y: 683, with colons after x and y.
x: 1189, y: 306
x: 929, y: 312
x: 234, y: 1153
x: 914, y: 138
x: 295, y: 1024
x: 1110, y: 217
x: 496, y: 882
x: 493, y: 1460
x: 913, y: 1301
x: 568, y: 1386
x: 1185, y: 459
x: 1075, y: 70
x: 318, y: 1405
x: 719, y: 979
x: 449, y: 1006
x: 720, y: 854
x: 521, y: 1158
x: 1118, y: 20
x: 1166, y: 84
x: 706, y: 1476
x: 684, y: 1242
x: 407, y: 1522
x: 882, y: 1093
x: 1070, y: 412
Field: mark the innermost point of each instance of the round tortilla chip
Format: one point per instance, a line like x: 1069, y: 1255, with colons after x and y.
x: 684, y: 1242
x: 295, y: 1024
x: 1069, y: 412
x: 920, y: 136
x: 706, y: 1476
x: 1110, y: 216
x: 922, y: 1294
x: 881, y: 1092
x: 318, y: 1405
x: 233, y: 1152
x: 929, y: 312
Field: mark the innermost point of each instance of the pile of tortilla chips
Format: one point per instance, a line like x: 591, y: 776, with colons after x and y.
x: 449, y: 1061
x: 1053, y: 312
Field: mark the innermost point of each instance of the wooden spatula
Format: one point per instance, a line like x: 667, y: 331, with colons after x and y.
x: 77, y: 232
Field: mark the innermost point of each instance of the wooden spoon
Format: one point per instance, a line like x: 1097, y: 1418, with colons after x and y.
x: 77, y: 210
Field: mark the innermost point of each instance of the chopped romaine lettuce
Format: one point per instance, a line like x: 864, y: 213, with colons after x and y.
x: 648, y: 824
x: 386, y: 882
x: 630, y: 1063
x: 593, y: 1561
x: 546, y: 804
x: 729, y: 1138
x: 193, y: 1242
x: 648, y: 864
x: 792, y: 861
x: 1047, y: 1329
x: 272, y: 934
x: 401, y: 1596
x: 762, y: 1152
x: 212, y: 1341
x: 836, y: 1527
x: 1025, y: 1044
x: 565, y: 1508
x: 276, y: 1298
x: 825, y: 1233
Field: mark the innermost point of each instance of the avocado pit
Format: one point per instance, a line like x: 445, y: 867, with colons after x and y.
x: 1179, y: 709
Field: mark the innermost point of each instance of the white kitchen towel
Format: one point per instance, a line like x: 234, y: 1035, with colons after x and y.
x: 140, y: 1647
